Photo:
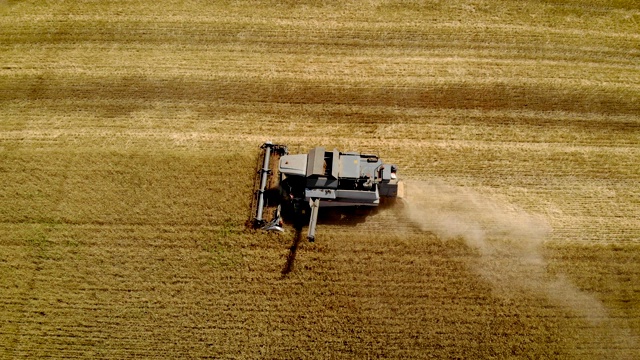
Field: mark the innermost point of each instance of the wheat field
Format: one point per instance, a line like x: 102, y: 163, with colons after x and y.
x: 129, y: 135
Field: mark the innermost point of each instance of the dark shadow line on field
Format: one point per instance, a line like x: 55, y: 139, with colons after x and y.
x: 132, y: 93
x: 291, y: 257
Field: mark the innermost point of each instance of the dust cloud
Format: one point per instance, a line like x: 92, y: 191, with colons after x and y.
x: 507, y: 239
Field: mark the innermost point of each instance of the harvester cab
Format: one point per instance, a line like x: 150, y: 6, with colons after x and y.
x: 320, y: 178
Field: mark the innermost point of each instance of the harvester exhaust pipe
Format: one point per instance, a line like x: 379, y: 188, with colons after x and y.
x: 313, y: 219
x: 264, y: 174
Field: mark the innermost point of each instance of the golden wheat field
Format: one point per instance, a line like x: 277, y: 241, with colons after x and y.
x: 129, y: 136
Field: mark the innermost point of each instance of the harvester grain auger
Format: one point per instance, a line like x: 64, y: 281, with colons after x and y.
x: 303, y: 183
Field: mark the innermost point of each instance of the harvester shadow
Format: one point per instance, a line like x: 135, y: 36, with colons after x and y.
x: 352, y: 216
x: 291, y: 257
x: 344, y: 216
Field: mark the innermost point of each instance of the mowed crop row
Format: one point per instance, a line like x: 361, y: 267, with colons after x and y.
x: 128, y: 142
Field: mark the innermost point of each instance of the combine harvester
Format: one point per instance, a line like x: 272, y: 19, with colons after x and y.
x: 303, y: 183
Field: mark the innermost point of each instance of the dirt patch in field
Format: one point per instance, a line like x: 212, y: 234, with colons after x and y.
x: 507, y: 239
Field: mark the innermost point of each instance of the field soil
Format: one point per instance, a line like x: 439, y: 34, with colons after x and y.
x: 130, y: 132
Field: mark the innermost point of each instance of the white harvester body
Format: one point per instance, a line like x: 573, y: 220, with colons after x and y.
x: 323, y: 178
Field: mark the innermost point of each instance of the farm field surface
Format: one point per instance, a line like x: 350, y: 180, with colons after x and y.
x: 129, y: 136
